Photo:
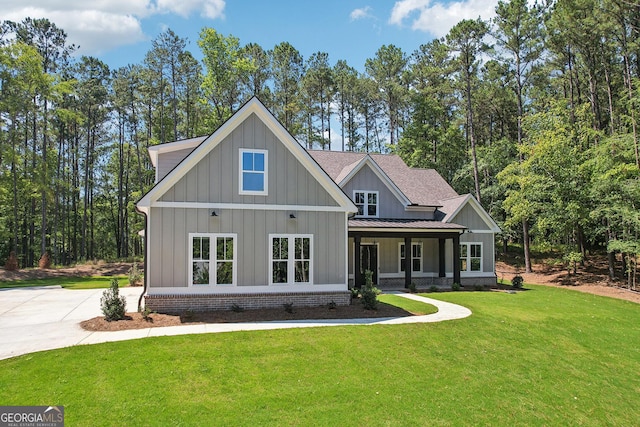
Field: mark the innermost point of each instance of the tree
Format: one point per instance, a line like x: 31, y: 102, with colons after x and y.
x: 519, y: 34
x: 388, y: 69
x: 287, y: 68
x: 318, y: 87
x: 225, y: 69
x: 465, y: 40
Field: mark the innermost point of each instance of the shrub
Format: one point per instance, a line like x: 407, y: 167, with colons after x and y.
x: 433, y: 288
x: 355, y: 293
x: 45, y: 261
x: 146, y: 314
x: 12, y: 262
x: 369, y: 292
x: 455, y: 287
x: 113, y: 304
x: 572, y: 259
x: 517, y: 281
x: 412, y: 287
x: 134, y: 274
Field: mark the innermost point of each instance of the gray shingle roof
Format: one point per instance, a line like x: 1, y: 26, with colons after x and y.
x: 424, y: 187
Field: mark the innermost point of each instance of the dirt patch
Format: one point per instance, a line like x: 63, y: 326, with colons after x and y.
x: 136, y: 321
x: 593, y: 278
x: 81, y: 270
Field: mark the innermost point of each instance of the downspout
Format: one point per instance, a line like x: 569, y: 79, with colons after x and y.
x: 146, y: 260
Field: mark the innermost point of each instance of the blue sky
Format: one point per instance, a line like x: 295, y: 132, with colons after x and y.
x: 119, y: 32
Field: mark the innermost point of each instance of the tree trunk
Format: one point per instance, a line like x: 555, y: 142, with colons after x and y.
x: 525, y: 245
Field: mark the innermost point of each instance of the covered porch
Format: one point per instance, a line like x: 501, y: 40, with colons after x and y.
x: 439, y: 245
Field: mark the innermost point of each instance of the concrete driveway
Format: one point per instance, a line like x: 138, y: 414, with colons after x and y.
x: 36, y: 319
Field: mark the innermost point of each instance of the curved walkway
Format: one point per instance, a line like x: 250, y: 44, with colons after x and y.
x: 36, y: 319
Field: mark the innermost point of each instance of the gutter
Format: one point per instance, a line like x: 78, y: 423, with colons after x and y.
x: 144, y: 250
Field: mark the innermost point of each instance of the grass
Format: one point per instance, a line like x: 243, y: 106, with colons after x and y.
x: 414, y: 307
x: 545, y: 356
x: 68, y: 282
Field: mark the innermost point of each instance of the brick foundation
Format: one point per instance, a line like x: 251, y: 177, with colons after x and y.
x: 176, y: 304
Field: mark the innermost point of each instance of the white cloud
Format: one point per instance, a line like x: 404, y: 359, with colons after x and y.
x: 101, y: 25
x: 208, y: 8
x: 361, y: 13
x: 438, y: 18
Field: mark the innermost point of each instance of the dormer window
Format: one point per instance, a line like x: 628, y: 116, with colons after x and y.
x: 367, y: 203
x: 253, y: 172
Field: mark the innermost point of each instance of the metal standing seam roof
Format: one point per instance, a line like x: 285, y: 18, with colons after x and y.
x: 403, y: 224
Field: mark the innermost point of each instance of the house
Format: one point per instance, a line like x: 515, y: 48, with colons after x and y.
x: 248, y: 217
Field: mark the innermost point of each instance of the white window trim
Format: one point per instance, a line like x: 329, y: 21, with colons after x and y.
x: 400, y: 244
x: 468, y: 270
x: 266, y: 173
x: 212, y: 259
x: 291, y: 260
x: 365, y: 209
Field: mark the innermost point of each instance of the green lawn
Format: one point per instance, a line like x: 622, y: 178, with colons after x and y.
x: 91, y: 282
x: 544, y: 356
x: 414, y: 307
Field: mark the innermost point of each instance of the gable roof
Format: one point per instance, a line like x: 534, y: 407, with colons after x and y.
x: 203, y: 147
x: 168, y: 147
x: 451, y: 207
x: 422, y: 187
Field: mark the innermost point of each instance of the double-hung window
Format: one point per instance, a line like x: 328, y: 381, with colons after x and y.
x: 254, y: 172
x: 290, y: 259
x: 416, y: 256
x: 470, y: 257
x: 212, y: 259
x: 366, y: 202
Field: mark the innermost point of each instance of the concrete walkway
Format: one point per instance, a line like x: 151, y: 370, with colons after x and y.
x: 36, y: 319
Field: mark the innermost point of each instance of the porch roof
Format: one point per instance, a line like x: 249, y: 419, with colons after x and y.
x: 397, y: 224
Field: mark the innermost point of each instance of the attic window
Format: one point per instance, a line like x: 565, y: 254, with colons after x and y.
x: 253, y: 172
x: 367, y: 203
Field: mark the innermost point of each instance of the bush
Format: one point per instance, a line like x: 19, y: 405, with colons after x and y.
x: 146, y: 314
x: 412, y: 287
x: 12, y: 262
x: 455, y: 287
x: 134, y: 274
x: 113, y: 304
x: 517, y: 281
x: 369, y: 292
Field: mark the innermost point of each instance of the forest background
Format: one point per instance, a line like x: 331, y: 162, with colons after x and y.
x: 534, y: 112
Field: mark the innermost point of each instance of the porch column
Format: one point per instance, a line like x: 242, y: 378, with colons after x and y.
x: 442, y: 266
x: 357, y: 275
x: 408, y: 254
x: 456, y: 259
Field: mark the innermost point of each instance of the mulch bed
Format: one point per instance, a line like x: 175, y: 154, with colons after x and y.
x: 136, y: 320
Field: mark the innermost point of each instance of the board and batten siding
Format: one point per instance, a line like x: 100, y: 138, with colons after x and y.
x: 215, y: 179
x: 170, y: 228
x: 470, y: 218
x: 388, y: 204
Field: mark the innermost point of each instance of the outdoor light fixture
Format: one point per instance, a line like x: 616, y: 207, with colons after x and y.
x: 292, y: 216
x: 213, y: 213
